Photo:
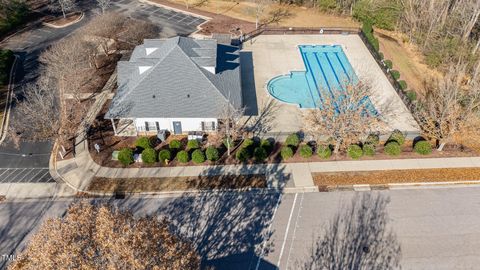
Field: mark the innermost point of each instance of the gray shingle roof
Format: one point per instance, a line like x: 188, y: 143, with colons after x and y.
x: 167, y: 79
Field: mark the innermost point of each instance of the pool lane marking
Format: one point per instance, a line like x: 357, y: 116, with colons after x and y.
x: 333, y: 71
x: 323, y: 74
x: 309, y: 68
x: 343, y: 67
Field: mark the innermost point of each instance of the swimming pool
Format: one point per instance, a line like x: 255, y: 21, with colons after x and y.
x: 327, y: 69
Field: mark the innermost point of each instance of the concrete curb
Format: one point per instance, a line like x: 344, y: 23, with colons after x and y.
x: 65, y: 25
x: 8, y: 105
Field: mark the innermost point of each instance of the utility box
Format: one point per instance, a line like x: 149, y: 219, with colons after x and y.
x: 162, y: 135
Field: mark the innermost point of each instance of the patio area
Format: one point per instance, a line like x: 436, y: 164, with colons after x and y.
x: 268, y: 56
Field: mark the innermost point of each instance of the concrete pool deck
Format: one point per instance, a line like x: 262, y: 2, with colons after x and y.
x: 273, y: 55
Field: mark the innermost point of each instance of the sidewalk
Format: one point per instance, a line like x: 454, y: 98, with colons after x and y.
x: 290, y: 177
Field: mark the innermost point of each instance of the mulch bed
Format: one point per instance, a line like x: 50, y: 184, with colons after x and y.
x: 395, y: 176
x: 155, y: 184
x: 218, y: 24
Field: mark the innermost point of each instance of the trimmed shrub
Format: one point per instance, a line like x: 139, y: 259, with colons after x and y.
x: 305, y: 151
x: 354, y: 151
x: 395, y: 74
x: 381, y: 55
x: 373, y: 139
x: 242, y: 154
x: 411, y: 95
x: 198, y: 156
x: 324, y: 151
x: 175, y: 144
x: 267, y: 145
x: 182, y: 156
x: 125, y: 156
x: 369, y: 150
x: 397, y: 136
x: 293, y: 140
x: 393, y: 148
x: 260, y: 154
x: 247, y: 143
x: 149, y: 156
x: 143, y: 142
x: 286, y: 152
x: 388, y: 63
x: 193, y: 144
x: 164, y: 155
x: 423, y: 148
x: 403, y: 85
x: 212, y: 153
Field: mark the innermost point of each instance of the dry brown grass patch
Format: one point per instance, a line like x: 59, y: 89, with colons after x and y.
x: 156, y: 184
x: 396, y: 176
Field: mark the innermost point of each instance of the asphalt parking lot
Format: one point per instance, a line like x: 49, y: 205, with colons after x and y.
x: 168, y: 20
x: 25, y: 163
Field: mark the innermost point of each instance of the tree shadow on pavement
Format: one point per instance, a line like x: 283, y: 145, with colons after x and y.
x: 230, y: 229
x: 358, y: 237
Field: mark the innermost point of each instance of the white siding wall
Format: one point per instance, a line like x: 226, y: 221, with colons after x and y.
x: 188, y: 124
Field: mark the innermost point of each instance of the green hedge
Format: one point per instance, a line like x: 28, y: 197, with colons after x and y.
x: 354, y: 151
x: 293, y: 140
x: 143, y: 142
x: 175, y: 144
x: 149, y: 156
x: 373, y: 139
x: 403, y: 85
x: 164, y: 154
x: 388, y: 63
x: 411, y: 95
x: 260, y: 154
x: 6, y: 61
x: 393, y: 148
x: 369, y: 150
x: 247, y: 143
x: 286, y: 152
x: 423, y: 148
x: 182, y: 156
x: 368, y: 32
x: 397, y: 136
x: 242, y: 154
x: 198, y: 156
x: 267, y: 145
x: 125, y: 156
x: 395, y: 74
x: 305, y: 151
x: 212, y: 153
x: 193, y: 144
x: 324, y: 151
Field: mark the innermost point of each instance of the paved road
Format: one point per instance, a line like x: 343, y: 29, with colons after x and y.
x: 424, y: 228
x: 29, y: 45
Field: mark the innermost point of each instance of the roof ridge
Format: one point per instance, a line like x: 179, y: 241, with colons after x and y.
x: 203, y: 74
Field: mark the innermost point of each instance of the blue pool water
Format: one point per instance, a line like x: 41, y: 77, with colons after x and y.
x: 327, y: 69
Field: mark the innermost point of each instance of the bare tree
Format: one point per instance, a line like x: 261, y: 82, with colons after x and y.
x: 230, y: 126
x: 346, y: 116
x: 101, y: 237
x: 450, y: 106
x: 39, y: 109
x: 357, y: 237
x: 258, y: 10
x: 62, y: 5
x: 104, y: 4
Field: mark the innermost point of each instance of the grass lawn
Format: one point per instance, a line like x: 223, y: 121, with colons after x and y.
x: 396, y: 176
x: 156, y: 184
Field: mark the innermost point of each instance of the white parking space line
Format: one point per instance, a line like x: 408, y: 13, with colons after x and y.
x: 39, y: 171
x: 7, y: 175
x: 295, y: 230
x: 27, y: 174
x: 286, y: 230
x: 4, y: 171
x: 269, y: 231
